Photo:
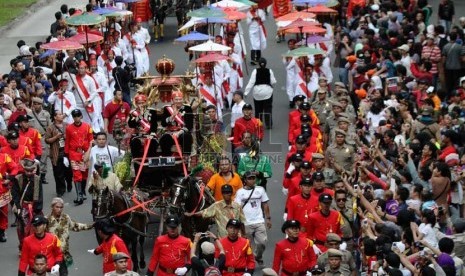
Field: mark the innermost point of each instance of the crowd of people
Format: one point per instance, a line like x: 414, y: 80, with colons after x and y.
x: 373, y: 176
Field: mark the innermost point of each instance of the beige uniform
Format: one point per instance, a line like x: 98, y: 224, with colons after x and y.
x: 343, y: 155
x: 40, y: 121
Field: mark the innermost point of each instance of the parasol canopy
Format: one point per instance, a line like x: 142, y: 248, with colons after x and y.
x: 85, y: 19
x: 82, y: 38
x: 233, y: 14
x: 292, y: 16
x: 128, y: 1
x: 304, y: 51
x: 309, y: 2
x: 207, y: 12
x: 332, y: 3
x: 247, y: 2
x: 231, y: 4
x: 62, y: 45
x: 209, y: 46
x: 212, y: 57
x: 197, y: 20
x: 320, y: 9
x: 193, y: 36
x: 300, y: 23
x: 317, y: 39
x: 306, y: 30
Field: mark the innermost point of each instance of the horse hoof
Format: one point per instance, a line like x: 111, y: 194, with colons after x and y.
x: 142, y: 264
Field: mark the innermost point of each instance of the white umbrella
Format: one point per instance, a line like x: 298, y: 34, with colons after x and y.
x: 209, y: 46
x: 198, y: 20
x: 282, y: 24
x: 231, y: 4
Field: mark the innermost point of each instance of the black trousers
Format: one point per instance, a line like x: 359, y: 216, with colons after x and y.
x: 63, y: 177
x: 185, y: 142
x: 137, y: 148
x: 263, y: 111
x: 452, y: 79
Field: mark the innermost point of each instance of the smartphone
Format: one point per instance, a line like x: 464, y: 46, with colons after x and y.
x: 356, y: 186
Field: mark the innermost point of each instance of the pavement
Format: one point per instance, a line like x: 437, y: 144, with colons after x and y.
x: 35, y: 27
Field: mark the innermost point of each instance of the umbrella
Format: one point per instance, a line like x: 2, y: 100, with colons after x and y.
x: 332, y: 3
x: 193, y: 36
x: 306, y: 30
x: 61, y: 45
x: 197, y: 20
x: 128, y: 1
x: 47, y: 53
x: 321, y: 9
x: 85, y: 19
x: 300, y: 23
x: 247, y: 2
x: 292, y: 16
x: 212, y: 57
x: 103, y: 11
x: 231, y: 4
x: 233, y: 14
x: 309, y: 2
x: 209, y: 46
x: 317, y: 39
x: 82, y: 38
x: 207, y: 12
x: 119, y: 13
x: 304, y: 51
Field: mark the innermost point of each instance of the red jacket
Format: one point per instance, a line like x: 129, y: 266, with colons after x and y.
x: 35, y: 137
x: 142, y: 10
x: 170, y: 254
x: 253, y: 125
x: 294, y: 257
x: 238, y: 256
x: 78, y: 140
x: 319, y: 226
x: 49, y: 245
x: 295, y: 124
x: 307, y: 156
x: 111, y: 246
x: 420, y: 74
x: 7, y: 167
x: 299, y: 208
x: 18, y: 154
x: 23, y: 140
x: 281, y: 7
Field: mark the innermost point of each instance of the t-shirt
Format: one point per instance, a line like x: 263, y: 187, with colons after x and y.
x: 429, y: 234
x: 103, y: 155
x: 114, y: 110
x: 253, y: 209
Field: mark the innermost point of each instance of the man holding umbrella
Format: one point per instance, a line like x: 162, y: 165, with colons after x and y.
x: 257, y: 32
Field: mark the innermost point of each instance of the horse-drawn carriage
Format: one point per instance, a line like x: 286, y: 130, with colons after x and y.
x: 160, y: 184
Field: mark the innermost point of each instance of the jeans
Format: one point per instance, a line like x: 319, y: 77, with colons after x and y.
x: 343, y: 75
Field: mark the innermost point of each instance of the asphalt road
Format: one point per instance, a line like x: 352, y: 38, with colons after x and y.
x: 275, y: 142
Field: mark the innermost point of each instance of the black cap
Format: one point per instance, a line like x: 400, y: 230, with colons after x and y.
x: 99, y: 165
x: 239, y: 92
x: 306, y: 181
x: 298, y: 98
x: 290, y: 224
x: 305, y: 118
x: 304, y: 106
x: 172, y: 221
x: 226, y: 188
x: 234, y: 223
x: 306, y: 165
x: 76, y: 113
x: 324, y: 197
x: 105, y: 225
x: 12, y: 135
x: 23, y: 118
x: 14, y: 126
x: 39, y: 220
x: 300, y: 139
x: 248, y: 174
x: 247, y: 106
x: 318, y: 176
x: 296, y: 157
x: 262, y: 62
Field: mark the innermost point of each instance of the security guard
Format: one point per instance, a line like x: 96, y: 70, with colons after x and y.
x: 345, y: 124
x: 171, y: 252
x: 340, y: 155
x: 298, y: 206
x: 333, y: 241
x: 334, y: 267
x: 331, y: 120
x: 239, y: 257
x: 41, y: 121
x: 321, y: 106
x: 294, y: 255
x: 318, y: 165
x: 323, y: 222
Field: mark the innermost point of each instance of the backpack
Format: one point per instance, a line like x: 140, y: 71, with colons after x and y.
x: 210, y: 269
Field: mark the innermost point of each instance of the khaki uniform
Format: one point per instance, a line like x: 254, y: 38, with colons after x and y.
x: 343, y: 155
x: 338, y: 272
x: 127, y: 273
x: 347, y: 262
x: 330, y: 176
x: 346, y: 229
x: 322, y: 110
x: 44, y: 118
x: 351, y: 137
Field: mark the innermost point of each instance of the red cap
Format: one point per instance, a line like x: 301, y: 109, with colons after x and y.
x: 140, y: 97
x: 139, y: 20
x: 82, y: 64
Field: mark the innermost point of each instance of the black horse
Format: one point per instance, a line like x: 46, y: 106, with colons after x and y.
x: 189, y: 195
x: 131, y: 225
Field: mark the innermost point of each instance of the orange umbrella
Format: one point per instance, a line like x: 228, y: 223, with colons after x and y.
x: 306, y: 30
x: 292, y: 16
x: 82, y: 39
x: 62, y: 45
x: 233, y: 14
x: 212, y: 57
x: 299, y: 23
x: 321, y: 9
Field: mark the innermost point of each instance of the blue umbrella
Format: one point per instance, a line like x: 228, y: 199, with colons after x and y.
x: 309, y: 2
x: 47, y: 53
x: 193, y: 36
x: 128, y: 1
x: 103, y: 11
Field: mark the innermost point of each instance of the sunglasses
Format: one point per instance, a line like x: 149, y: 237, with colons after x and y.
x: 341, y: 199
x: 251, y: 177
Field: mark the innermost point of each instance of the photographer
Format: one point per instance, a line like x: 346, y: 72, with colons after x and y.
x: 205, y: 263
x: 122, y: 78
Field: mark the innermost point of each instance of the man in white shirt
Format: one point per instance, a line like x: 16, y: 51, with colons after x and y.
x: 63, y: 100
x: 254, y: 202
x: 103, y: 153
x: 405, y: 60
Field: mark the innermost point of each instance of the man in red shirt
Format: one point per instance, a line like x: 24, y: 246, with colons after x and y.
x: 239, y: 257
x: 111, y: 245
x: 27, y: 131
x: 323, y: 222
x: 16, y: 151
x: 8, y: 169
x: 299, y: 206
x: 300, y: 146
x: 78, y: 141
x: 40, y: 242
x: 171, y: 252
x: 294, y: 255
x: 295, y: 122
x: 447, y: 144
x: 247, y: 123
x: 116, y: 110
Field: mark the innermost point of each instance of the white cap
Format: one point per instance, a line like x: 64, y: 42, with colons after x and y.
x: 24, y: 51
x: 430, y: 89
x: 404, y: 47
x: 374, y: 7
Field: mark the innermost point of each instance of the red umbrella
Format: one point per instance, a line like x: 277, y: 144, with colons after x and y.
x: 81, y: 38
x: 300, y: 23
x: 212, y: 57
x: 62, y: 45
x: 306, y: 30
x: 296, y: 15
x: 233, y: 14
x: 321, y: 9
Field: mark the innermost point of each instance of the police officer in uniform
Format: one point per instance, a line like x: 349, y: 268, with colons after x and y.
x: 318, y: 163
x: 321, y: 106
x: 340, y: 155
x: 41, y: 121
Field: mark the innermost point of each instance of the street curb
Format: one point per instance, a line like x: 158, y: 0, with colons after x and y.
x: 30, y: 10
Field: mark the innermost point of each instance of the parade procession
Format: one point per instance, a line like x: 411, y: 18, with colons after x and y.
x: 233, y: 137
